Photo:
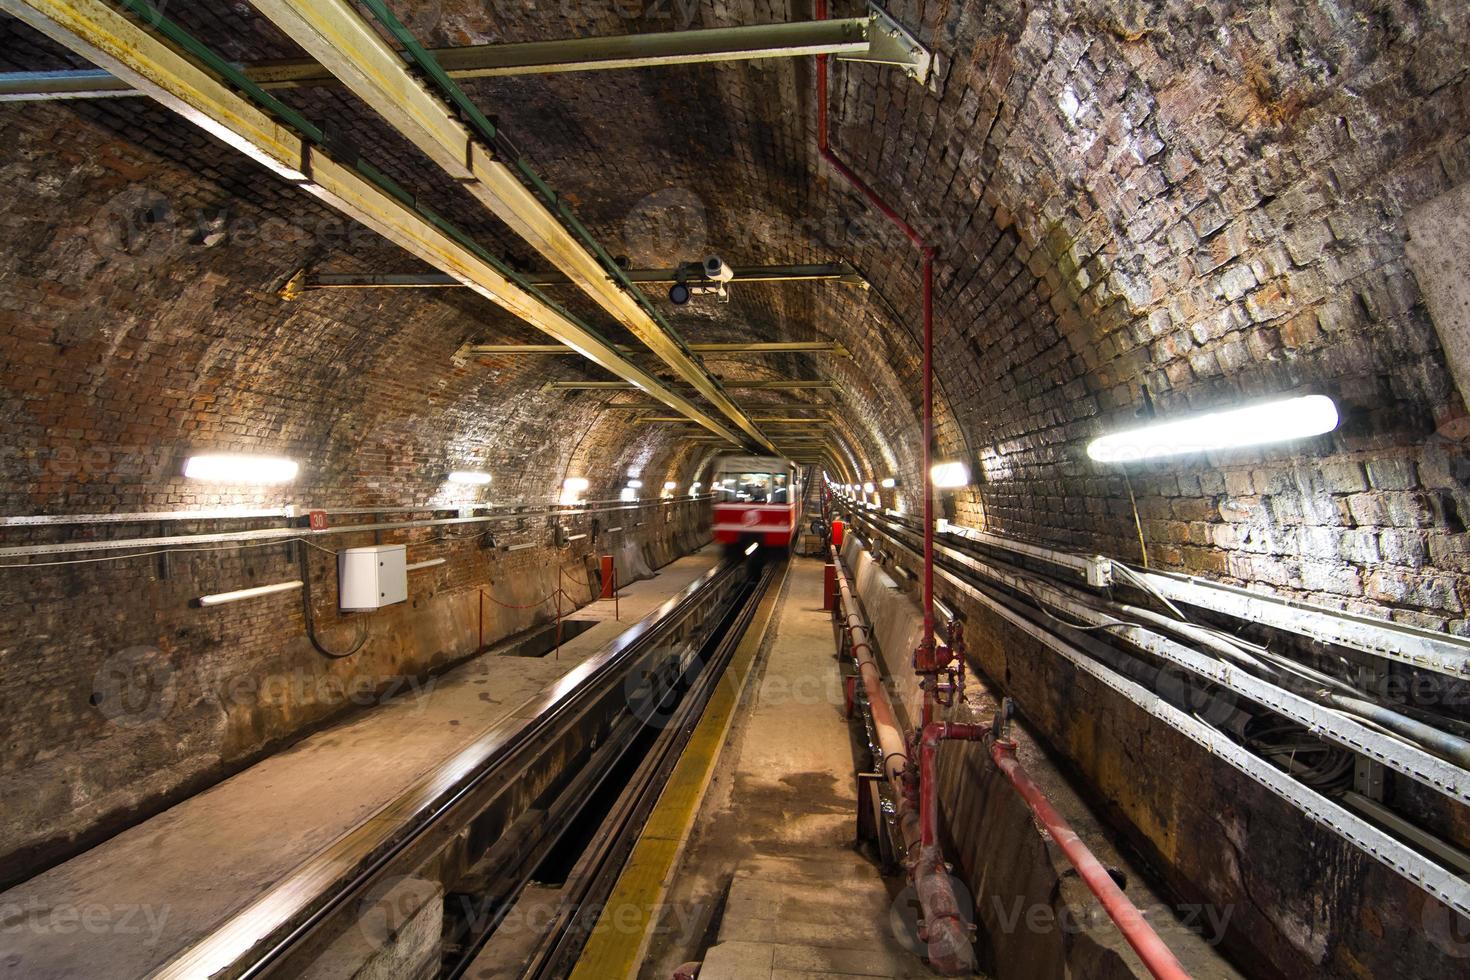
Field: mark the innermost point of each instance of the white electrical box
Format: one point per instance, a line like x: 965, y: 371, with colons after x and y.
x: 370, y: 578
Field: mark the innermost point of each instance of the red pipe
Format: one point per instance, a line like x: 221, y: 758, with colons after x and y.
x: 946, y: 931
x: 926, y: 642
x: 929, y: 739
x: 1130, y: 922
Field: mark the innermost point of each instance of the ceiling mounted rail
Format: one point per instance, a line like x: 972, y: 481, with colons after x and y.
x: 752, y: 347
x: 876, y: 39
x: 103, y: 35
x: 781, y: 385
x: 767, y: 419
x: 303, y: 281
x: 480, y: 156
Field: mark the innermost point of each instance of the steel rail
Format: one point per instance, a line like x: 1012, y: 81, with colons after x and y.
x: 409, y: 830
x: 302, y: 533
x: 1409, y: 760
x: 304, y: 281
x: 1438, y: 881
x: 848, y: 39
x: 292, y: 512
x: 746, y: 347
x: 596, y: 872
x: 107, y: 38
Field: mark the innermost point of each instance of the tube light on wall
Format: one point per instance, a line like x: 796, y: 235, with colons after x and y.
x: 1254, y: 425
x: 469, y: 477
x: 636, y: 484
x: 950, y: 474
x: 572, y: 489
x: 888, y: 484
x: 240, y: 469
x: 670, y: 485
x: 869, y: 487
x: 628, y: 494
x: 222, y: 598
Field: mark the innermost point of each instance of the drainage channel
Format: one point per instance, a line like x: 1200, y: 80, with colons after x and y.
x: 586, y: 827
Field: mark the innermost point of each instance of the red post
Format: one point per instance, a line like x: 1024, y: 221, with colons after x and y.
x: 480, y: 593
x: 558, y: 612
x: 837, y: 534
x: 829, y: 586
x: 609, y: 589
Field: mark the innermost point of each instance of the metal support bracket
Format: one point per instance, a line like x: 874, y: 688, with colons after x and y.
x: 890, y: 44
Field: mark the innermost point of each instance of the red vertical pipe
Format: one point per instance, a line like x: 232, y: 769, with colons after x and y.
x: 927, y: 251
x: 927, y: 641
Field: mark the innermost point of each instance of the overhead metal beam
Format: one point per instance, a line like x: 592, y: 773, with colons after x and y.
x: 764, y: 419
x: 102, y: 35
x: 304, y: 281
x: 781, y: 385
x: 352, y: 49
x: 819, y: 407
x: 876, y: 39
x: 751, y: 347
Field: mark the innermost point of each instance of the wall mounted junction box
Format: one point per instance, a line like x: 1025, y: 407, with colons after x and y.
x: 370, y: 578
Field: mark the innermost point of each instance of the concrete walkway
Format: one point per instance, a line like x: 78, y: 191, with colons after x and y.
x: 128, y: 905
x: 771, y: 881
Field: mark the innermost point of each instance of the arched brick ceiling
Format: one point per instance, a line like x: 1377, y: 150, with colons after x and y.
x: 1206, y: 198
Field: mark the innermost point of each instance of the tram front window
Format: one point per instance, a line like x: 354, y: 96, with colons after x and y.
x: 758, y: 488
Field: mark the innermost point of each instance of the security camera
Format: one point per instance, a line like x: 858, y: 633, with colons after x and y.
x: 716, y: 269
x: 679, y: 294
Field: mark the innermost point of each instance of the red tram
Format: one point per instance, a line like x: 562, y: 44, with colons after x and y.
x: 757, y: 499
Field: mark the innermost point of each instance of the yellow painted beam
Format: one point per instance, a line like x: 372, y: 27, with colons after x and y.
x: 112, y: 41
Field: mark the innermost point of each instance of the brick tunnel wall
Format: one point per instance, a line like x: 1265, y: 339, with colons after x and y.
x: 128, y: 346
x: 1206, y: 198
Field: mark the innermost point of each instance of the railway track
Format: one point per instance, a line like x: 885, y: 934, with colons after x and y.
x: 1290, y: 710
x: 567, y: 779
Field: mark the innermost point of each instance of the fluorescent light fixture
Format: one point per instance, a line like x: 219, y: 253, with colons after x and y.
x: 429, y: 563
x: 869, y: 487
x: 888, y: 484
x: 1254, y: 425
x: 670, y: 485
x: 571, y: 490
x: 753, y: 545
x: 950, y: 474
x: 472, y: 477
x: 221, y: 598
x: 628, y: 494
x: 241, y: 469
x: 636, y: 484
